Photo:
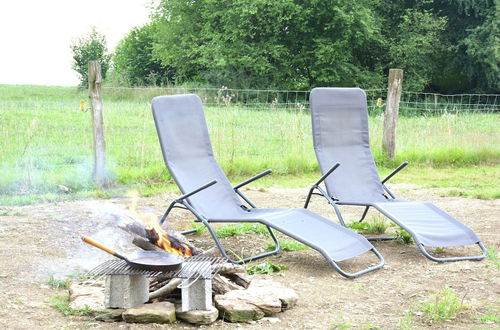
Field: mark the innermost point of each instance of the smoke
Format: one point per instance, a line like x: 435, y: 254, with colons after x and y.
x: 103, y: 225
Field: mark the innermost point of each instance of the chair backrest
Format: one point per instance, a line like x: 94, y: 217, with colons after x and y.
x: 187, y: 151
x: 340, y: 134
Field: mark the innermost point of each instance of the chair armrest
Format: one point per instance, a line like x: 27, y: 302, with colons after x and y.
x: 399, y: 168
x: 258, y: 176
x: 316, y: 186
x: 181, y: 199
x: 324, y: 176
x: 244, y: 183
x: 197, y: 190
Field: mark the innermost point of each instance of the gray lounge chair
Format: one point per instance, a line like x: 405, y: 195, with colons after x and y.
x: 187, y: 151
x: 340, y: 134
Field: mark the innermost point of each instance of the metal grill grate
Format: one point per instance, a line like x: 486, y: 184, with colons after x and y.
x: 202, y: 267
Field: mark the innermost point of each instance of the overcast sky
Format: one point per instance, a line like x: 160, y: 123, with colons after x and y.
x: 35, y: 35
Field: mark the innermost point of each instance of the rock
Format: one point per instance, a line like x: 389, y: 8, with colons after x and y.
x: 87, y: 297
x: 198, y: 316
x: 287, y: 296
x: 236, y: 310
x: 110, y: 315
x: 270, y: 304
x: 263, y: 293
x: 162, y: 312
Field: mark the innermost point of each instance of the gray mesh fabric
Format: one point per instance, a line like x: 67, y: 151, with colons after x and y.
x: 188, y: 154
x: 340, y: 134
x: 429, y: 225
x: 340, y: 131
x: 187, y: 151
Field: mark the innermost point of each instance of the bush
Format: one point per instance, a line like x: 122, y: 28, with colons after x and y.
x: 91, y: 47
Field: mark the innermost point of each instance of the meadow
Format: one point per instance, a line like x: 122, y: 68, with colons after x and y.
x: 46, y: 142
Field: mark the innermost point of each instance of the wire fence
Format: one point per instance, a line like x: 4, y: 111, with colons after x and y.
x: 47, y: 142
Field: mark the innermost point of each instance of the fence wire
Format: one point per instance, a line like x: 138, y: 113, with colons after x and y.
x: 49, y: 142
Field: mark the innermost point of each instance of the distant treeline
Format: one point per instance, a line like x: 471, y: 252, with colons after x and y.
x: 447, y: 46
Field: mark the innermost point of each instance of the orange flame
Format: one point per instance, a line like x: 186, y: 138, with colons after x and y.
x: 156, y: 234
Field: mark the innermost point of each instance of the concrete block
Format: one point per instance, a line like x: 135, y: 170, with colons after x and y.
x: 124, y: 291
x: 197, y: 295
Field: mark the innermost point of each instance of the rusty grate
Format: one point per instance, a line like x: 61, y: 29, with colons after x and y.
x: 202, y: 267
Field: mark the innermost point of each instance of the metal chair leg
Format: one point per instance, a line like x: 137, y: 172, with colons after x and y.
x: 222, y: 250
x: 475, y: 258
x: 364, y: 214
x: 361, y: 272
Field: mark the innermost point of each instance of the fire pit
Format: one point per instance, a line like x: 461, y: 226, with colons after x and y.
x: 127, y: 286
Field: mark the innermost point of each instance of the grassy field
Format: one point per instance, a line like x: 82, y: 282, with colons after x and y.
x: 46, y: 141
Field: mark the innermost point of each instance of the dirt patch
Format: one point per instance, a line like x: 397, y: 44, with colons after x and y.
x: 39, y: 240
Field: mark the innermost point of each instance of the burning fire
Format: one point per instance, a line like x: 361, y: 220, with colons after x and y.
x: 155, y: 234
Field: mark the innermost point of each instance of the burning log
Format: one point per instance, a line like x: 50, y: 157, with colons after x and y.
x: 155, y: 235
x: 149, y: 235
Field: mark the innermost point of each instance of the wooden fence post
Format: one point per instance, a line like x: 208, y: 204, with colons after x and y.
x: 95, y: 80
x: 391, y: 111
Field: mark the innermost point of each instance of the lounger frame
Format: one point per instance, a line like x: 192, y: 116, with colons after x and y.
x: 335, y: 204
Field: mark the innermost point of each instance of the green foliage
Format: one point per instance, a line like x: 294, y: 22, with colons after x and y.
x: 376, y: 225
x: 58, y: 283
x: 442, y: 306
x: 415, y: 46
x: 288, y: 245
x: 493, y: 256
x: 489, y: 318
x: 200, y: 228
x: 448, y: 46
x: 91, y: 47
x: 241, y: 229
x: 335, y: 325
x: 62, y: 304
x: 257, y: 44
x: 402, y: 236
x: 266, y: 267
x: 407, y: 322
x: 469, y: 60
x: 133, y: 59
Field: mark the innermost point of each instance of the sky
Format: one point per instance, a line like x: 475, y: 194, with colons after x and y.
x: 35, y: 35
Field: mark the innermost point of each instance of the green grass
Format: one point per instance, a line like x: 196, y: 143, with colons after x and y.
x: 241, y: 229
x: 62, y: 304
x: 340, y: 325
x: 402, y: 236
x: 58, y: 283
x: 376, y: 225
x: 442, y: 306
x: 493, y: 256
x: 46, y: 141
x: 266, y: 267
x: 287, y: 245
x: 489, y: 318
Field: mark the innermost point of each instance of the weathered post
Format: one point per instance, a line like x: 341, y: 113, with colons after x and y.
x: 95, y: 80
x: 391, y: 111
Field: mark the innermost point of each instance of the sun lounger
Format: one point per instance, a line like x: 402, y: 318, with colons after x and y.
x: 187, y: 151
x: 340, y: 134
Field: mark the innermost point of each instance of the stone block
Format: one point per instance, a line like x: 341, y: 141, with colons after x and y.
x: 196, y: 295
x: 197, y: 316
x: 162, y: 312
x: 235, y: 310
x: 87, y: 296
x: 124, y: 291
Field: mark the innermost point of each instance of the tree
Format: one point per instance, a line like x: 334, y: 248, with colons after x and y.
x: 416, y: 46
x: 263, y: 44
x: 91, y: 47
x: 471, y: 53
x: 134, y: 62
